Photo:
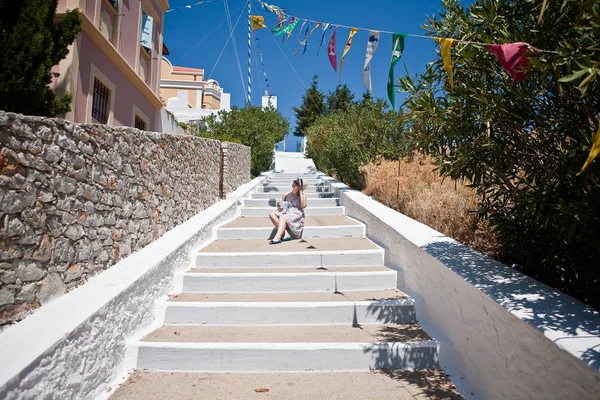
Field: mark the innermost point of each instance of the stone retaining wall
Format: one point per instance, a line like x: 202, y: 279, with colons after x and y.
x: 236, y: 166
x: 75, y: 199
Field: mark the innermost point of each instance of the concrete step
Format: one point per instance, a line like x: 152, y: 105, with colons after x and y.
x: 272, y: 202
x: 308, y: 211
x: 329, y: 226
x: 309, y: 232
x: 289, y: 180
x: 284, y: 348
x: 303, y: 308
x: 306, y: 253
x: 279, y: 195
x: 373, y: 385
x: 294, y: 280
x: 284, y: 188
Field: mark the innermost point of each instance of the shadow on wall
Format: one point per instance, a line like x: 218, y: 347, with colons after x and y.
x: 558, y: 316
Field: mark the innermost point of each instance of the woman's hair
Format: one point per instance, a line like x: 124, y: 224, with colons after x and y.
x: 300, y: 182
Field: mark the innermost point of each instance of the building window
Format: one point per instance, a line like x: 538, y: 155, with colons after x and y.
x: 109, y: 20
x: 115, y: 4
x: 140, y: 123
x: 100, y: 102
x: 146, y: 33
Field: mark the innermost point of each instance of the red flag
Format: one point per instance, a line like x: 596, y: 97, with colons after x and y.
x: 512, y: 56
x: 332, y: 51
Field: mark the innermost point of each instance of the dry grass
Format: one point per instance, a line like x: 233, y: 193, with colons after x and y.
x: 444, y: 205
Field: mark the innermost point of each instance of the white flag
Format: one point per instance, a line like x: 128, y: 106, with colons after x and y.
x: 371, y: 49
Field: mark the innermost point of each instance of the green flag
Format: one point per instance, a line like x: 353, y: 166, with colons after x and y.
x: 397, y: 49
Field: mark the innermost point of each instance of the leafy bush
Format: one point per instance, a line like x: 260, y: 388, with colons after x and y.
x: 340, y: 143
x: 260, y: 129
x: 521, y: 144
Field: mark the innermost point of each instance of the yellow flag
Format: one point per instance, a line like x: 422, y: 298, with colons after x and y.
x: 347, y: 48
x: 594, y: 151
x: 446, y: 51
x: 258, y: 22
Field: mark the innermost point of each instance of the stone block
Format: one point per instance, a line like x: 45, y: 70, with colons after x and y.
x: 6, y: 297
x: 73, y: 272
x: 8, y: 277
x: 51, y: 287
x: 28, y: 292
x: 43, y: 252
x: 29, y: 272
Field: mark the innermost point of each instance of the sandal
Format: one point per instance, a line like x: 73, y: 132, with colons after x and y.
x: 287, y: 239
x: 275, y: 241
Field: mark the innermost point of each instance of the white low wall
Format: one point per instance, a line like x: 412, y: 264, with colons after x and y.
x: 503, y: 335
x: 74, y: 347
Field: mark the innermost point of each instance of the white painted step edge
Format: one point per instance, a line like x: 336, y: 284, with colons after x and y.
x: 334, y: 231
x: 282, y: 357
x: 400, y: 311
x: 358, y: 258
x: 287, y: 282
x: 308, y: 211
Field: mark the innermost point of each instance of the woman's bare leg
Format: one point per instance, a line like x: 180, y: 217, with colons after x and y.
x: 280, y: 230
x: 274, y: 219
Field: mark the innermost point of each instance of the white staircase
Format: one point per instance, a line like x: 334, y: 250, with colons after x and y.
x: 325, y: 303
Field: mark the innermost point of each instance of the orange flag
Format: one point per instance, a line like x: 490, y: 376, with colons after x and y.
x: 446, y: 51
x: 594, y: 151
x: 347, y: 49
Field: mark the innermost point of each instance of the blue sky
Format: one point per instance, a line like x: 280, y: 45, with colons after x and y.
x: 191, y: 44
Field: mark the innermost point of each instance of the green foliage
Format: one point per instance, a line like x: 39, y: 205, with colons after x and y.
x: 339, y: 100
x: 521, y: 144
x: 31, y: 43
x: 252, y: 126
x: 312, y: 107
x: 340, y: 143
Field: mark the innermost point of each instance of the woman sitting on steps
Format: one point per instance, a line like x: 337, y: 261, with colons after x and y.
x: 290, y: 213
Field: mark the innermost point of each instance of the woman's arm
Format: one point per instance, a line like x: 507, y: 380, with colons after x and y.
x: 302, y: 199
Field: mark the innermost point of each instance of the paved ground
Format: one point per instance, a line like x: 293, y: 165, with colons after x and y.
x: 262, y: 245
x: 376, y: 385
x: 264, y: 222
x: 288, y: 334
x: 289, y: 297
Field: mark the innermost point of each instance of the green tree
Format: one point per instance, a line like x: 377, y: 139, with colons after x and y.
x: 340, y: 143
x: 252, y: 126
x: 521, y: 144
x: 31, y: 43
x: 340, y: 99
x: 313, y: 106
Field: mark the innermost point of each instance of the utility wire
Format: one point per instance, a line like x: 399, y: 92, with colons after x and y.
x: 234, y: 43
x: 203, y: 39
x: 226, y: 43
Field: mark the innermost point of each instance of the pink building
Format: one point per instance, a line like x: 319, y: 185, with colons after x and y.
x: 113, y: 68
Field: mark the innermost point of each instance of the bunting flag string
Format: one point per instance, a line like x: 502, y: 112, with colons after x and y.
x: 189, y: 6
x: 372, y: 44
x: 346, y: 50
x: 262, y: 62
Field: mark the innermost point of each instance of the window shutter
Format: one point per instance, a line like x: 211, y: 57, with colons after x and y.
x: 147, y: 26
